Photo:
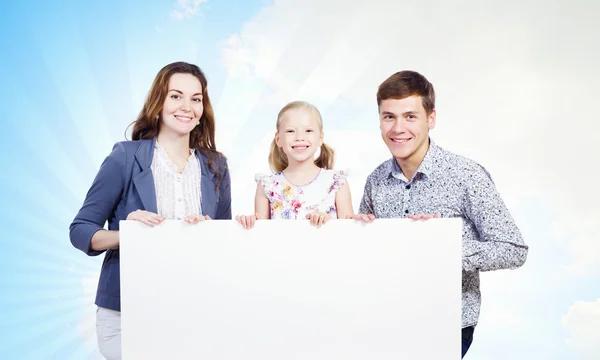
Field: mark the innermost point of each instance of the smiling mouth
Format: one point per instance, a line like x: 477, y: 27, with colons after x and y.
x: 400, y: 141
x: 300, y: 148
x: 183, y: 119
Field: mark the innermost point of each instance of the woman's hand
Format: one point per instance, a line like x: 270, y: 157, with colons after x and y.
x: 194, y: 219
x: 318, y: 218
x: 146, y: 217
x: 247, y: 221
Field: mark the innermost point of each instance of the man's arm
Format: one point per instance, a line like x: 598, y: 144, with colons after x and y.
x: 500, y: 244
x: 366, y: 203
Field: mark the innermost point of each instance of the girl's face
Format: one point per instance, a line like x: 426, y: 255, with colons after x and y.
x: 183, y: 105
x: 299, y: 135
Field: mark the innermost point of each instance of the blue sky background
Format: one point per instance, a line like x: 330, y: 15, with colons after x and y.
x: 515, y: 85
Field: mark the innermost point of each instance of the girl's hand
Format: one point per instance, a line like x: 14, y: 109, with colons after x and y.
x: 194, y: 219
x: 247, y: 221
x: 146, y: 217
x: 318, y: 218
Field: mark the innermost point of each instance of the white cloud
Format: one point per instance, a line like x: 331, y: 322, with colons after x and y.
x: 186, y: 9
x: 579, y: 234
x: 583, y: 322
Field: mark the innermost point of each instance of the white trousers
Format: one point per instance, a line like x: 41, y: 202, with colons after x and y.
x: 108, y: 331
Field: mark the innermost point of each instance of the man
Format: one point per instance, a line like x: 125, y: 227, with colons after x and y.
x: 422, y: 181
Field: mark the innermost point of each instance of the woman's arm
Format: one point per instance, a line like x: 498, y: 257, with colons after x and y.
x: 98, y: 206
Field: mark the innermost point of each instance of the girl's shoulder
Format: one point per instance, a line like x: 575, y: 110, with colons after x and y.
x: 333, y: 179
x: 268, y: 180
x: 334, y: 174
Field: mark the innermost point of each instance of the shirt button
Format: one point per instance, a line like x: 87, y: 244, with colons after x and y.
x: 178, y: 218
x: 406, y: 211
x: 408, y: 187
x: 179, y: 179
x: 179, y: 199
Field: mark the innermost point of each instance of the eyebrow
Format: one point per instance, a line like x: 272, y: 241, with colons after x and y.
x: 404, y: 113
x: 182, y: 92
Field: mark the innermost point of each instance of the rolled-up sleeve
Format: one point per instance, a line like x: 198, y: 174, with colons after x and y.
x: 100, y: 201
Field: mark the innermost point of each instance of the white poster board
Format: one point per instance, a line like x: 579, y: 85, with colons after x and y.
x: 390, y: 289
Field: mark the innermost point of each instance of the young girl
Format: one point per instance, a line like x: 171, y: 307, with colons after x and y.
x: 301, y: 187
x: 171, y: 170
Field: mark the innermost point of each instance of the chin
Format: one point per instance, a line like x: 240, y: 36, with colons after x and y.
x: 402, y: 155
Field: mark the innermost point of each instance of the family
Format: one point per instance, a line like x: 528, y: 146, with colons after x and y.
x: 172, y: 170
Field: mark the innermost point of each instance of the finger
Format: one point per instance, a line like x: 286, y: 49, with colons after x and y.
x: 190, y: 219
x: 436, y: 216
x: 144, y: 220
x: 321, y: 220
x: 155, y: 218
x: 316, y: 219
x: 252, y: 221
x: 206, y: 217
x: 370, y: 217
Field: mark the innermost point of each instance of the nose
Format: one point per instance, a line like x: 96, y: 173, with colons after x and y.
x: 185, y: 105
x: 398, y: 126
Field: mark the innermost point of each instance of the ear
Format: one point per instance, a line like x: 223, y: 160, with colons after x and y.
x: 277, y: 139
x: 431, y: 120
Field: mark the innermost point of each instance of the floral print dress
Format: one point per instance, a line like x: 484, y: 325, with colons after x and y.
x: 289, y: 201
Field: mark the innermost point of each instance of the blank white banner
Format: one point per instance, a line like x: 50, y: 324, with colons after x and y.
x: 390, y: 289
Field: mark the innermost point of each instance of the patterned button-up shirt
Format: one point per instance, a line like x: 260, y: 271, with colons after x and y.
x: 452, y: 186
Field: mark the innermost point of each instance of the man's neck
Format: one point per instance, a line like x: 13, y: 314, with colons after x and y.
x: 410, y: 165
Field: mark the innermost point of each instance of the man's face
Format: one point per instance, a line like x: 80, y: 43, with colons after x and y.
x: 405, y: 125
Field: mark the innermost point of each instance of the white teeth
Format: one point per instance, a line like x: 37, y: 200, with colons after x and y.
x: 399, y: 141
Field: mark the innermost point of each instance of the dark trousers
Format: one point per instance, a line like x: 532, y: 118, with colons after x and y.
x: 467, y: 339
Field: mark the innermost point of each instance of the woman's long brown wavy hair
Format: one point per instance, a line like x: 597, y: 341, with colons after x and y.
x: 202, y: 137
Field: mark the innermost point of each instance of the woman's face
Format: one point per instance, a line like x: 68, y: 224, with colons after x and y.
x: 183, y: 105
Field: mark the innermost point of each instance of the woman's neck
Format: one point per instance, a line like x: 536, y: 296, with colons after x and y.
x: 178, y: 147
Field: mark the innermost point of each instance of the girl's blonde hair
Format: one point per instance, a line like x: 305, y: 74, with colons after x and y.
x: 278, y: 159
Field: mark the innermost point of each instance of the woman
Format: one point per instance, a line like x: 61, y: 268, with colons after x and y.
x: 171, y: 170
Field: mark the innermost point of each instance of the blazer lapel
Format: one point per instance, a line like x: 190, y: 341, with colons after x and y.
x: 144, y: 181
x: 207, y: 187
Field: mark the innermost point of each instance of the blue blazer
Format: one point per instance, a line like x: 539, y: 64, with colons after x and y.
x: 124, y: 184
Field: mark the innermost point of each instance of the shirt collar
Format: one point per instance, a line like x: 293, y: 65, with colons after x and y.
x: 426, y: 166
